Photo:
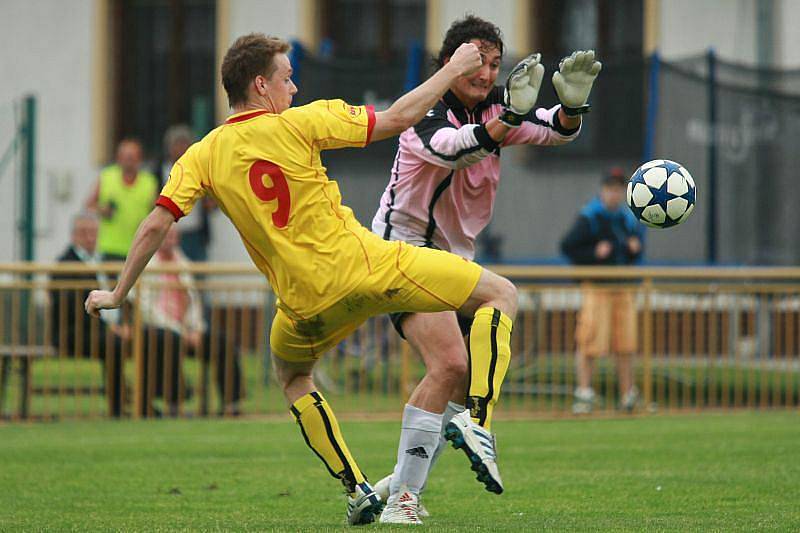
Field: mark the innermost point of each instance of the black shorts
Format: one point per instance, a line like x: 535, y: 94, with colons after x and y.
x: 464, y: 323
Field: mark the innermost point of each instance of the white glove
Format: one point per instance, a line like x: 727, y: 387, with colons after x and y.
x: 522, y: 89
x: 574, y: 79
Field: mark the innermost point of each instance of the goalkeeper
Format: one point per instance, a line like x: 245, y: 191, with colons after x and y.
x: 440, y: 195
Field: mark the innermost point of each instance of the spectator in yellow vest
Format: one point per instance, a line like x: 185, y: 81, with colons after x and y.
x: 123, y: 197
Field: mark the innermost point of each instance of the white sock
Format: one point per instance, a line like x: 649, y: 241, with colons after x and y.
x: 418, y: 440
x: 450, y: 411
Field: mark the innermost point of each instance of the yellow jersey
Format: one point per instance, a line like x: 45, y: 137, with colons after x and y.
x: 264, y: 171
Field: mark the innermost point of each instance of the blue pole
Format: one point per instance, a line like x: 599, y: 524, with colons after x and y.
x: 296, y: 57
x: 652, y: 107
x: 413, y: 66
x: 711, y: 216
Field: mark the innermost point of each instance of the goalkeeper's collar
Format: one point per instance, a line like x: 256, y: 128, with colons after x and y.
x: 464, y: 114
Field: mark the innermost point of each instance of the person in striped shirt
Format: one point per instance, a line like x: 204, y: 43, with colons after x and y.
x: 440, y: 195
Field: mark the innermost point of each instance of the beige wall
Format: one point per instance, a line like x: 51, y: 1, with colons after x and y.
x: 690, y: 27
x: 787, y: 34
x: 46, y: 49
x: 508, y: 15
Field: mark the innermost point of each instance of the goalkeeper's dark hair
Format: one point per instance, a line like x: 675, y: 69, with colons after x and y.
x: 249, y: 56
x: 463, y: 31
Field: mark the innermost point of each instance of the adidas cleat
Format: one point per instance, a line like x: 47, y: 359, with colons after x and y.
x: 401, y: 508
x: 363, y: 506
x: 480, y: 448
x: 382, y: 489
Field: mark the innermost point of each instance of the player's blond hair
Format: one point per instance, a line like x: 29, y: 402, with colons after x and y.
x: 249, y: 56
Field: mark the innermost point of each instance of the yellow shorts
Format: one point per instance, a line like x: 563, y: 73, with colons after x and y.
x: 406, y: 278
x: 607, y: 322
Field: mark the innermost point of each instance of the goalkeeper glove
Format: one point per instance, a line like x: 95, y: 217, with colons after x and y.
x: 573, y: 81
x: 522, y: 89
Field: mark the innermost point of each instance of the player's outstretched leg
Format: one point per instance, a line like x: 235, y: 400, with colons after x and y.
x: 495, y: 302
x: 383, y: 486
x: 437, y: 339
x: 321, y: 433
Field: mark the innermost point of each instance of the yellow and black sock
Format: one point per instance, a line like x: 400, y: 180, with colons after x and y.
x: 321, y: 432
x: 489, y: 356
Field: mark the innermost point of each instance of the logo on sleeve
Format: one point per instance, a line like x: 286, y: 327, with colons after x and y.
x: 353, y: 111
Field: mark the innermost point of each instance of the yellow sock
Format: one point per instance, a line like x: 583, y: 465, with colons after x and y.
x: 321, y: 432
x: 489, y: 355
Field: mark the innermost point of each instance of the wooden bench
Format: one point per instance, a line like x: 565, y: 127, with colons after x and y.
x: 24, y: 354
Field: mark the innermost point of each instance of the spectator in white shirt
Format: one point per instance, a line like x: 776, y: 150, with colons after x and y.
x: 172, y: 310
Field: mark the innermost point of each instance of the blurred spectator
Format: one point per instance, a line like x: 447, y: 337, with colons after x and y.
x: 123, y: 197
x: 195, y: 228
x: 76, y: 334
x: 605, y: 233
x: 174, y: 314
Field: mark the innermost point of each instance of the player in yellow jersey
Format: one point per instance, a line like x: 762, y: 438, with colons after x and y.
x: 330, y: 273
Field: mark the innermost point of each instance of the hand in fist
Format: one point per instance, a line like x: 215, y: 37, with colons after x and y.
x: 466, y: 59
x: 98, y: 300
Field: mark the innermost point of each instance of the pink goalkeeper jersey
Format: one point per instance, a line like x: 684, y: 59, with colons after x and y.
x: 445, y: 174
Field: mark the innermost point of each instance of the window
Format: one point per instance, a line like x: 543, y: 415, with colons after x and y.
x: 164, y: 61
x: 615, y: 127
x: 382, y: 29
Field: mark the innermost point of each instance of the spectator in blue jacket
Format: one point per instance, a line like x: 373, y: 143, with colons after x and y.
x: 605, y: 233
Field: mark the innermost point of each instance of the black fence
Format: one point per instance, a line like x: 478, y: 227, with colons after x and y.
x: 734, y: 127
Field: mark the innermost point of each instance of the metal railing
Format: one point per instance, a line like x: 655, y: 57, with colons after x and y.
x: 708, y: 339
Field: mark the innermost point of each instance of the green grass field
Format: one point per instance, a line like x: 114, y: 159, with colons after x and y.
x: 701, y: 472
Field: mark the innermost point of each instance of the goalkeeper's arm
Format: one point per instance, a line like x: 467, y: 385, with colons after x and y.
x: 410, y: 108
x: 568, y: 122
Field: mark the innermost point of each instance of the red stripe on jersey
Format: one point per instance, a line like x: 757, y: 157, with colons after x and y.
x: 246, y: 116
x: 370, y: 121
x: 164, y: 201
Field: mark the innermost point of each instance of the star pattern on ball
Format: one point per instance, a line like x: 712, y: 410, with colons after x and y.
x: 670, y: 167
x: 661, y: 195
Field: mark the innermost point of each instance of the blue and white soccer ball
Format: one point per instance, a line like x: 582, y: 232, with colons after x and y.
x: 661, y: 193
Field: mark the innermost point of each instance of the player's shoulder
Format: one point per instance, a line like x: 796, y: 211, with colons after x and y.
x: 319, y: 108
x: 318, y: 117
x: 199, y: 152
x: 201, y: 147
x: 303, y: 115
x: 438, y: 111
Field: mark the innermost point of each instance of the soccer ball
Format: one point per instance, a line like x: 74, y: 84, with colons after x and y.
x: 661, y: 193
